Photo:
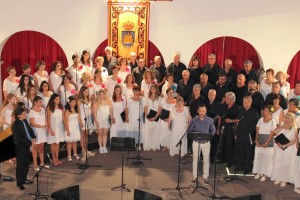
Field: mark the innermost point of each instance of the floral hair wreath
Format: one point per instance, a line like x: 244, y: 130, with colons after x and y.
x: 271, y: 108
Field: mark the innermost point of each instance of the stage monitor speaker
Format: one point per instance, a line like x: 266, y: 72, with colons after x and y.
x: 142, y: 195
x: 70, y: 193
x: 120, y: 144
x: 251, y: 197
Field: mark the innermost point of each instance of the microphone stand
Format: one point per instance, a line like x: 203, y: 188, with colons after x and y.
x: 122, y: 187
x: 178, y: 187
x: 85, y: 166
x: 138, y: 157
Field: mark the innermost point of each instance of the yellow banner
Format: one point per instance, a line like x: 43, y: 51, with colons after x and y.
x: 128, y: 28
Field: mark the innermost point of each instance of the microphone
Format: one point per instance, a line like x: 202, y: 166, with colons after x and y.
x: 49, y: 157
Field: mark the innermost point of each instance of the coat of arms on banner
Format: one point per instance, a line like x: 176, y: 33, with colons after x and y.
x: 128, y: 34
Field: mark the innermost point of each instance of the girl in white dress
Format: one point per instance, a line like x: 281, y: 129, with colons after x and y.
x: 84, y: 104
x: 179, y: 120
x: 297, y: 169
x: 124, y: 68
x: 169, y: 84
x: 118, y: 127
x: 165, y: 133
x: 152, y: 131
x: 72, y: 134
x: 85, y: 81
x: 56, y: 129
x: 102, y: 109
x: 28, y: 99
x: 134, y: 112
x: 266, y: 84
x: 99, y: 65
x: 40, y: 75
x: 263, y: 158
x: 11, y: 83
x: 86, y: 61
x: 45, y: 93
x: 7, y: 110
x: 284, y: 85
x: 129, y: 83
x: 113, y: 80
x: 23, y: 86
x: 148, y: 81
x: 284, y: 156
x: 277, y: 113
x: 75, y: 71
x: 39, y: 125
x: 98, y: 83
x: 56, y: 76
x: 66, y: 89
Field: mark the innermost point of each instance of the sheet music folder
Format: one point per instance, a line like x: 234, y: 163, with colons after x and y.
x: 193, y: 135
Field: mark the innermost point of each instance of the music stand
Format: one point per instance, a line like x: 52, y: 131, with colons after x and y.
x: 199, y: 136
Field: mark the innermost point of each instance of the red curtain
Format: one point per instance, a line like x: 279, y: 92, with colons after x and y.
x: 30, y: 47
x: 225, y: 47
x: 293, y: 69
x: 152, y: 51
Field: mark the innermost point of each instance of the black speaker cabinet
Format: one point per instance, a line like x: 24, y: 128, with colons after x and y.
x: 142, y: 195
x: 70, y: 193
x: 250, y: 197
x: 120, y: 144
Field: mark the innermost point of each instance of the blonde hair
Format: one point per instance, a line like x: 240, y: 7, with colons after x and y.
x: 291, y: 116
x: 85, y: 75
x: 100, y: 101
x: 99, y: 58
x: 285, y: 76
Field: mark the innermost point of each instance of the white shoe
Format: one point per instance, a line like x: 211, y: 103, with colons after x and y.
x: 257, y: 176
x: 101, y: 150
x: 105, y: 150
x: 36, y: 169
x: 283, y: 184
x: 277, y: 182
x: 76, y: 156
x: 45, y: 166
x: 69, y: 159
x: 263, y: 178
x: 297, y: 190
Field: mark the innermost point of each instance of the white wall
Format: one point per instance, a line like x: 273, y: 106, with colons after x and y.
x: 271, y: 26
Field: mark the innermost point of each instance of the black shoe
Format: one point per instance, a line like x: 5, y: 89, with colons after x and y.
x: 20, y: 187
x: 27, y: 181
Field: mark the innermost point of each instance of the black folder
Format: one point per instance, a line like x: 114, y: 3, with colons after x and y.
x: 262, y: 138
x: 281, y: 139
x: 164, y: 114
x: 123, y: 116
x: 298, y: 152
x: 151, y: 114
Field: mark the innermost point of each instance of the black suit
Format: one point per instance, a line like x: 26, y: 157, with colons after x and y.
x: 22, y: 148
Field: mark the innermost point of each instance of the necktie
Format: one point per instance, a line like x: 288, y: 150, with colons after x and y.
x: 27, y: 132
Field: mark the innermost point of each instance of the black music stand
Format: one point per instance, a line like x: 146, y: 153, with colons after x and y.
x: 199, y: 136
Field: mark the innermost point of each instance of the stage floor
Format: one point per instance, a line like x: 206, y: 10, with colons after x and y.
x: 152, y: 176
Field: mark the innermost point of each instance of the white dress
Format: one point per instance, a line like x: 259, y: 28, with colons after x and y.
x: 9, y: 86
x: 104, y: 73
x: 265, y: 89
x: 64, y: 95
x: 285, y: 89
x: 146, y: 87
x: 297, y: 169
x: 284, y: 160
x: 165, y: 132
x: 27, y: 102
x: 179, y: 127
x: 45, y: 99
x: 127, y: 92
x: 263, y: 158
x: 276, y: 115
x: 88, y: 67
x: 152, y: 131
x: 125, y: 73
x: 76, y: 74
x: 55, y: 81
x: 103, y: 116
x: 97, y: 87
x: 90, y: 86
x: 19, y: 94
x: 118, y: 129
x: 57, y: 127
x: 40, y: 119
x: 293, y: 95
x: 165, y: 87
x: 86, y: 111
x: 111, y: 85
x: 7, y: 118
x: 74, y: 128
x: 135, y: 113
x: 41, y: 79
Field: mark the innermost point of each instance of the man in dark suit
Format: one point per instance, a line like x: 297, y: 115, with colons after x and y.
x: 212, y: 69
x: 23, y: 138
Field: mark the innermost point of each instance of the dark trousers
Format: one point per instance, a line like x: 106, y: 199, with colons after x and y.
x: 214, y: 147
x: 227, y: 145
x: 245, y: 153
x: 23, y: 161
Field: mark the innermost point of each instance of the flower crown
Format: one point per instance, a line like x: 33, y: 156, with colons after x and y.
x: 271, y: 108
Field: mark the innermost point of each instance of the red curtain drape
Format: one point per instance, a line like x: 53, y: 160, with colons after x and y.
x: 30, y: 47
x: 152, y: 51
x: 293, y: 70
x: 229, y: 47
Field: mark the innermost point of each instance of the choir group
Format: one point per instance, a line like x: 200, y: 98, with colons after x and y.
x: 157, y: 103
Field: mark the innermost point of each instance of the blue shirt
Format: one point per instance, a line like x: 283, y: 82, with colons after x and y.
x: 203, y: 126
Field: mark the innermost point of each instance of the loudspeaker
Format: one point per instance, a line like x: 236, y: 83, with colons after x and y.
x: 142, y: 195
x: 70, y: 193
x: 119, y: 144
x: 251, y: 197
